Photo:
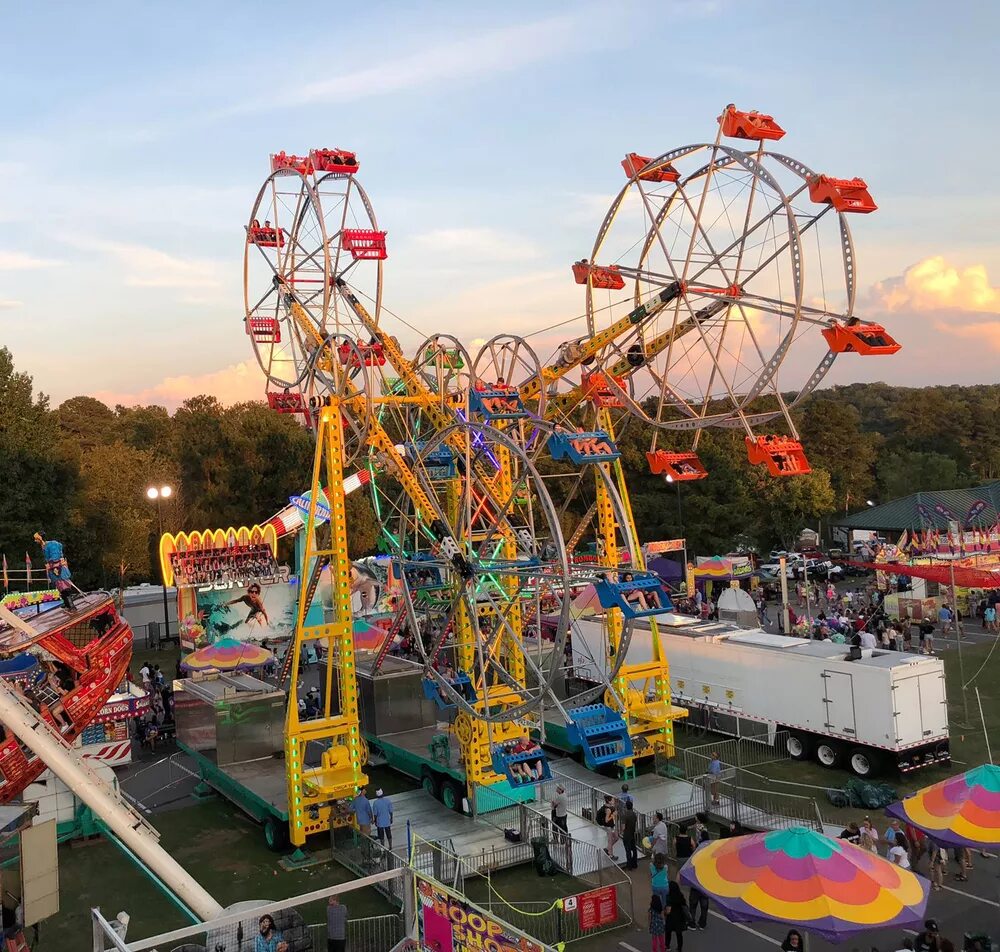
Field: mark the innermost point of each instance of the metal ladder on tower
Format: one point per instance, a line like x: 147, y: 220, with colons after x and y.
x: 117, y: 816
x: 314, y: 577
x: 397, y: 624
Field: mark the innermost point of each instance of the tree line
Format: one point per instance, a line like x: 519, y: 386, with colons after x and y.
x: 79, y: 471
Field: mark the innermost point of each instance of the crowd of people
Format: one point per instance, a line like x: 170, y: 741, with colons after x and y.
x: 235, y: 563
x: 159, y: 718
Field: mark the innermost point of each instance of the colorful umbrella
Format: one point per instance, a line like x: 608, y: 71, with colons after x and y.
x: 798, y: 876
x: 959, y: 811
x: 227, y: 654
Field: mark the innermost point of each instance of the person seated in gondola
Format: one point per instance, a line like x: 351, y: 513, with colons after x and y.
x: 647, y: 599
x: 525, y: 745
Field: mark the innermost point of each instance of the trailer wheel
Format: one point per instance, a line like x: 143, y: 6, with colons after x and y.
x: 828, y: 755
x: 429, y: 781
x: 865, y: 763
x: 275, y: 834
x: 797, y: 746
x: 451, y: 795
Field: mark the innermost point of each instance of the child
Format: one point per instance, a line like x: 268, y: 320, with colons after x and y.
x: 657, y: 926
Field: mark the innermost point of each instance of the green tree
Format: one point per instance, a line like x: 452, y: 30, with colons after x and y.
x: 85, y: 423
x: 35, y: 478
x: 832, y: 434
x: 907, y: 471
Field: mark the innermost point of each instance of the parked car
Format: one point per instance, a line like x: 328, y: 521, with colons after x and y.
x: 816, y: 569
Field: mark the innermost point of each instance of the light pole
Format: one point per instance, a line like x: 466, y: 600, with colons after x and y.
x: 680, y: 517
x: 157, y: 495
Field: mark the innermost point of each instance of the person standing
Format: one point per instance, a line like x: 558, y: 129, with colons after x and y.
x: 361, y: 807
x: 676, y: 915
x: 629, y: 821
x: 607, y: 817
x: 659, y: 837
x: 336, y: 925
x: 382, y: 814
x: 698, y: 903
x: 714, y: 772
x: 659, y: 878
x: 657, y: 926
x: 560, y: 810
x: 146, y: 675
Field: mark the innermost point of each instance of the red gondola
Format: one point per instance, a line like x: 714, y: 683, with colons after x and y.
x: 845, y: 195
x: 860, y: 338
x: 748, y: 125
x: 782, y: 455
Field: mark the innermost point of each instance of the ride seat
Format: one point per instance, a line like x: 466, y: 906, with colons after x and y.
x: 678, y: 466
x: 600, y: 733
x: 782, y: 455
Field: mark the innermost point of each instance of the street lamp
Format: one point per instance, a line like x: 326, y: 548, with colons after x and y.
x: 680, y: 517
x: 870, y: 503
x: 157, y: 494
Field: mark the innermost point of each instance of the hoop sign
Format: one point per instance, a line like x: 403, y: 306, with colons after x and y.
x: 596, y: 908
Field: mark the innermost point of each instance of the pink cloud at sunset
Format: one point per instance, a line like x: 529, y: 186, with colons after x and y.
x: 933, y: 285
x: 233, y: 384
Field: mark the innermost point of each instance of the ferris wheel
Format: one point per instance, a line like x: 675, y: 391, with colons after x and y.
x: 733, y: 273
x: 311, y: 240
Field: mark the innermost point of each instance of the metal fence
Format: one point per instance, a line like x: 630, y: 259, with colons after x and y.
x: 375, y: 934
x: 574, y: 857
x: 737, y: 752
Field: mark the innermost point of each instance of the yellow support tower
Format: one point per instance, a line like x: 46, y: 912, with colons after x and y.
x: 313, y: 790
x: 650, y: 721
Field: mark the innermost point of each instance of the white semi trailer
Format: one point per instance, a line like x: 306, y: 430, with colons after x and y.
x: 866, y: 710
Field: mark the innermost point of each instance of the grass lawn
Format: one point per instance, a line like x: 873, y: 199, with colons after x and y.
x: 968, y: 740
x: 220, y: 847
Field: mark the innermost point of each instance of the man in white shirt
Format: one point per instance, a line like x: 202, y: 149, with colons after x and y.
x: 897, y: 854
x: 659, y: 835
x: 146, y: 676
x: 868, y: 640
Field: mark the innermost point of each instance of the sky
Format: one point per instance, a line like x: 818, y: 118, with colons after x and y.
x: 136, y: 137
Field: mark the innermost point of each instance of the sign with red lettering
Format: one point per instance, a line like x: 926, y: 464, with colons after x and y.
x: 667, y: 545
x: 449, y: 923
x: 597, y: 908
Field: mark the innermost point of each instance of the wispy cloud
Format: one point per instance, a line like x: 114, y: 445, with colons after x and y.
x: 461, y: 246
x: 489, y: 52
x: 8, y: 305
x: 142, y: 266
x: 17, y: 261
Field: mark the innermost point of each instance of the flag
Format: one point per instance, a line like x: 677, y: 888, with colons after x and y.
x: 975, y: 510
x: 27, y: 567
x: 904, y: 541
x: 6, y: 583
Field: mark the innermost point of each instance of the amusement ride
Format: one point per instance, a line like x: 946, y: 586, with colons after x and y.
x: 713, y: 264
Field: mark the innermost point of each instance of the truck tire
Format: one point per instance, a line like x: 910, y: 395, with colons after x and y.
x: 865, y: 762
x: 798, y: 746
x: 828, y: 754
x: 430, y: 783
x: 275, y: 834
x: 452, y: 795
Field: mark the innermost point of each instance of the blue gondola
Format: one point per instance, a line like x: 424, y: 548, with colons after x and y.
x: 505, y: 762
x: 600, y: 733
x: 496, y: 404
x: 461, y: 684
x: 640, y: 596
x: 591, y: 447
x: 438, y: 464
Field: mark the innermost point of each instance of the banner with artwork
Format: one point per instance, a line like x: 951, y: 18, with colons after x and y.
x: 255, y: 611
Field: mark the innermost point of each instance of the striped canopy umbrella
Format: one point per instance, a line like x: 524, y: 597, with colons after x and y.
x: 227, y: 654
x: 798, y: 876
x: 959, y: 811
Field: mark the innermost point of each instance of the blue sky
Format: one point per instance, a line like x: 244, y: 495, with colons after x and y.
x: 137, y: 135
